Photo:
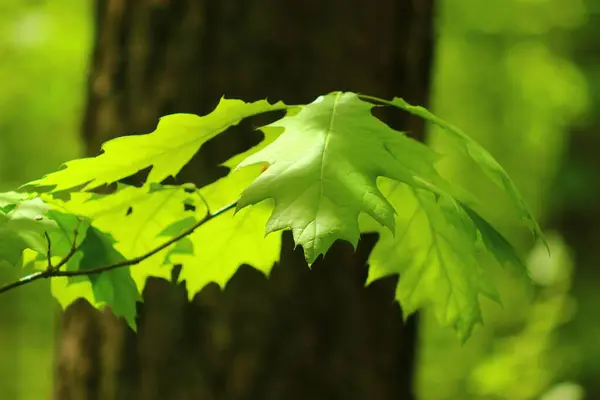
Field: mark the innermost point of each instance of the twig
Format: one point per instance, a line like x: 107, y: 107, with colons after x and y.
x: 49, y: 253
x: 55, y: 272
x: 26, y: 279
x: 71, y: 252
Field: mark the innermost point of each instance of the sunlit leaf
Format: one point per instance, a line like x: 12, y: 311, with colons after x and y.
x: 322, y: 171
x: 171, y: 146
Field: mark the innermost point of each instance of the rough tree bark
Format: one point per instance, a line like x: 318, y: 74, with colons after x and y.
x: 303, y: 333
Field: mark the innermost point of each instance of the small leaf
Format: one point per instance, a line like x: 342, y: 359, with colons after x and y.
x: 116, y: 287
x: 183, y: 246
x: 178, y: 226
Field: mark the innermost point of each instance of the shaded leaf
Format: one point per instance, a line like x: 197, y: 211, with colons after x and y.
x: 433, y: 249
x: 482, y: 158
x: 114, y: 288
x: 136, y: 218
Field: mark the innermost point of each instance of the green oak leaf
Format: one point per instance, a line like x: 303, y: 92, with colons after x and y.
x: 435, y: 251
x: 137, y: 217
x: 223, y: 244
x: 171, y: 146
x: 497, y: 245
x: 323, y: 169
x: 482, y: 158
x: 115, y: 288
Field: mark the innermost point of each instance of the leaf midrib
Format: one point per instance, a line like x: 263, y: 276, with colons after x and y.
x: 322, y: 169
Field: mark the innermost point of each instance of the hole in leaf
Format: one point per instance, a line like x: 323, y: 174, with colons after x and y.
x: 205, y: 166
x: 138, y: 178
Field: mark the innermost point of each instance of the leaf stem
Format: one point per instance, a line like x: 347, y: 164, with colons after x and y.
x: 49, y: 252
x: 374, y: 99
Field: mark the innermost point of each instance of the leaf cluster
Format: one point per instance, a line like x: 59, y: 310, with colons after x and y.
x: 329, y: 170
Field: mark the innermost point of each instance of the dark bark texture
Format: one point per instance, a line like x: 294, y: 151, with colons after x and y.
x: 302, y: 334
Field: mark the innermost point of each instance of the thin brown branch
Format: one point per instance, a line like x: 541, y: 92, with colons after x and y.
x: 49, y: 252
x: 71, y: 252
x: 55, y: 272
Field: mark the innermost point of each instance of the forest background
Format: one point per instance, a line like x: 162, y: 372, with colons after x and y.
x: 521, y: 76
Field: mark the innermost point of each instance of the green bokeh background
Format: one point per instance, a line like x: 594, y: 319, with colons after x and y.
x: 507, y: 73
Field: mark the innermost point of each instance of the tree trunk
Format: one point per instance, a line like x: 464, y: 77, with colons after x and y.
x: 301, y: 334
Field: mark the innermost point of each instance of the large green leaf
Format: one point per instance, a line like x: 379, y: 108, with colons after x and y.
x: 172, y: 145
x: 322, y: 174
x: 433, y: 249
x: 143, y: 218
x: 223, y: 244
x: 482, y: 158
x: 323, y: 169
x: 215, y: 251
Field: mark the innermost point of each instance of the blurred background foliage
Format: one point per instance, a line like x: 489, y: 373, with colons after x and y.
x: 44, y: 50
x: 515, y: 74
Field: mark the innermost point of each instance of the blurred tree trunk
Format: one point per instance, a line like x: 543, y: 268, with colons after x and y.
x: 302, y: 334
